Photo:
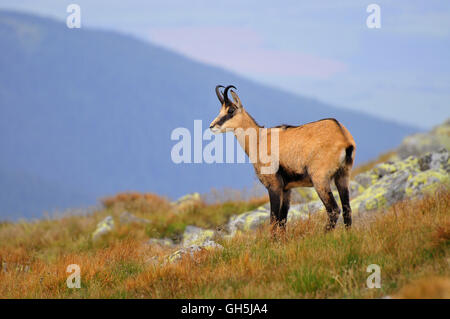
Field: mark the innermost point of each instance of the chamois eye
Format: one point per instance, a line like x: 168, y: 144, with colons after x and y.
x: 230, y: 110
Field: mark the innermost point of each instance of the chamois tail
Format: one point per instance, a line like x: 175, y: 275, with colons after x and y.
x: 349, y: 155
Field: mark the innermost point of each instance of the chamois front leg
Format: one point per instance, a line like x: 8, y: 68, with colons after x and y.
x: 284, y: 208
x: 275, y: 196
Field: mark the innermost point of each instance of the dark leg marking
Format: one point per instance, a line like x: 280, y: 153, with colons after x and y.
x: 344, y: 194
x: 275, y: 205
x: 282, y: 218
x: 331, y: 206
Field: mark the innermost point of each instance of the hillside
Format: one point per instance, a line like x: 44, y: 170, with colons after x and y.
x: 92, y: 111
x: 143, y: 246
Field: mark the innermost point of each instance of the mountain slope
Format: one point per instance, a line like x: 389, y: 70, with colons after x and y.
x: 94, y: 110
x: 23, y: 195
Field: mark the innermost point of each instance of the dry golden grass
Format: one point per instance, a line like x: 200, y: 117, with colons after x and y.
x: 409, y: 241
x: 426, y: 288
x: 135, y: 201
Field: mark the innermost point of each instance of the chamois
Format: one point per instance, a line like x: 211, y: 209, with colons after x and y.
x: 309, y: 155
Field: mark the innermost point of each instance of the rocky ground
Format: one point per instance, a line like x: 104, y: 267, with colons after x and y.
x: 419, y: 165
x: 218, y: 245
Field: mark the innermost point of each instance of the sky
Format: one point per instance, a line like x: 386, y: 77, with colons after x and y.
x: 320, y: 49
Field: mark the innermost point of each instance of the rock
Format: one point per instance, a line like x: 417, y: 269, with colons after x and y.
x: 249, y: 220
x: 370, y: 177
x: 255, y: 218
x: 178, y: 254
x: 195, y: 239
x: 390, y: 182
x: 186, y: 202
x: 298, y: 211
x: 366, y: 179
x: 196, y: 236
x: 418, y: 144
x: 303, y: 195
x: 384, y: 185
x: 210, y: 244
x: 355, y: 189
x: 128, y: 218
x: 435, y: 161
x: 104, y: 227
x: 382, y: 193
x: 191, y: 251
x: 421, y: 143
x: 163, y: 242
x: 425, y: 182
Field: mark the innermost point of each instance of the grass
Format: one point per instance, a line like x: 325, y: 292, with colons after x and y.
x: 165, y: 221
x: 409, y: 241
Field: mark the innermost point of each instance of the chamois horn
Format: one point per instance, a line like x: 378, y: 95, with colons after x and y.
x: 219, y: 95
x: 225, y: 93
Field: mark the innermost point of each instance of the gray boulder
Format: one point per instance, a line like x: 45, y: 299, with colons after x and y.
x: 421, y: 143
x: 103, y: 227
x: 390, y: 182
x: 128, y: 218
x: 194, y: 235
x: 163, y: 242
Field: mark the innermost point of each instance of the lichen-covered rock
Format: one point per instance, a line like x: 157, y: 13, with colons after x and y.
x: 178, y: 254
x: 435, y: 161
x: 388, y: 190
x: 196, y: 236
x: 128, y: 218
x: 249, y: 220
x: 304, y: 195
x: 195, y: 239
x: 191, y: 251
x: 390, y: 182
x: 425, y: 182
x: 366, y: 179
x: 186, y: 202
x: 421, y: 143
x: 163, y: 242
x: 355, y: 189
x: 211, y: 244
x: 298, y: 211
x: 255, y: 218
x: 103, y: 227
x: 370, y: 177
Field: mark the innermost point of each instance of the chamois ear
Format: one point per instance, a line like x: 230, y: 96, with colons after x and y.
x: 236, y: 99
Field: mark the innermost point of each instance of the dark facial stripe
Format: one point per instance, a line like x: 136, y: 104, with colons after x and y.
x: 224, y: 118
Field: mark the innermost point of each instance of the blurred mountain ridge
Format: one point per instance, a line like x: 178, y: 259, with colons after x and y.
x: 87, y: 113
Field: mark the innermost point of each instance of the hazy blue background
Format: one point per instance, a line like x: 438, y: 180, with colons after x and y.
x: 320, y: 49
x: 86, y: 113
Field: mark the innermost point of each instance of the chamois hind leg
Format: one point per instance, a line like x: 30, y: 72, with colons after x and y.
x: 326, y: 196
x: 282, y: 217
x: 342, y: 184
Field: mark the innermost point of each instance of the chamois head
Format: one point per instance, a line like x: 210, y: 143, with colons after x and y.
x: 230, y: 115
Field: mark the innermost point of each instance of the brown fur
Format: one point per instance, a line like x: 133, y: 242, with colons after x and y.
x: 310, y: 155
